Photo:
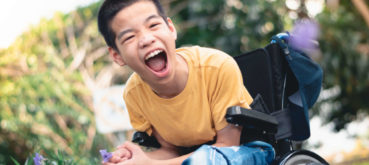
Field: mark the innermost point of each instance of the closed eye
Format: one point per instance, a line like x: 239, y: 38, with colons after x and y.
x: 128, y: 38
x: 154, y: 25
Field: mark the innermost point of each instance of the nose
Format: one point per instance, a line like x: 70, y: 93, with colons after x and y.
x: 146, y: 40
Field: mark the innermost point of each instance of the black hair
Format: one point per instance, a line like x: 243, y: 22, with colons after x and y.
x: 107, y: 12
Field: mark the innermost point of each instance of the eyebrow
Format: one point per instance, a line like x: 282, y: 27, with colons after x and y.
x: 122, y: 33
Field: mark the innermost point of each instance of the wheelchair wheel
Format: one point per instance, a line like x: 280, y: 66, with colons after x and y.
x: 302, y: 157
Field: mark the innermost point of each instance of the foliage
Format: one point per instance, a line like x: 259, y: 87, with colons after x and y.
x: 345, y: 60
x: 59, y: 158
x: 236, y: 26
x: 45, y: 104
x: 231, y: 26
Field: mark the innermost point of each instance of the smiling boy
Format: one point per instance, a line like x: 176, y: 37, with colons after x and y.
x: 179, y: 96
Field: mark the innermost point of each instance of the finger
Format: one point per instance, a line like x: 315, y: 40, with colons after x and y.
x: 126, y: 153
x: 115, y: 158
x: 133, y: 148
x: 120, y: 146
x: 107, y: 163
x: 123, y: 152
x: 127, y: 162
x: 120, y: 153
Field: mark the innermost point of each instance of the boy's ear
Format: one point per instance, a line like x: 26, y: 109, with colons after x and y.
x: 117, y: 58
x: 172, y: 28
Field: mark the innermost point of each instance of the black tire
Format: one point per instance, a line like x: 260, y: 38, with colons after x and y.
x: 302, y: 157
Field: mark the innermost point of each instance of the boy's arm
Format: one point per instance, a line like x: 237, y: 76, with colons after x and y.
x: 166, y: 150
x: 228, y: 136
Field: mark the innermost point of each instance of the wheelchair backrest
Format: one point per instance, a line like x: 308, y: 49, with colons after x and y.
x: 288, y: 81
x: 266, y: 72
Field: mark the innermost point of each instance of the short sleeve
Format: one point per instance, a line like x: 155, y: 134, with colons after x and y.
x: 137, y: 119
x: 228, y: 91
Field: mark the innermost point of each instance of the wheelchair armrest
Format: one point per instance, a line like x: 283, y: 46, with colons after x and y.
x: 252, y: 119
x: 143, y: 139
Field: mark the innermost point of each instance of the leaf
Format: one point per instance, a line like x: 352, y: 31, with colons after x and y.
x: 14, y: 161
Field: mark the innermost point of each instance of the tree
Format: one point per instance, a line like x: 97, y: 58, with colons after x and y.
x: 45, y: 102
x: 232, y: 26
x: 345, y: 60
x: 236, y: 26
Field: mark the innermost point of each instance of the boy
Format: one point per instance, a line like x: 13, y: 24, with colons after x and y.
x: 179, y: 96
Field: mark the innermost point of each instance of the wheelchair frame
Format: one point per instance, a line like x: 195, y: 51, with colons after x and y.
x: 270, y: 119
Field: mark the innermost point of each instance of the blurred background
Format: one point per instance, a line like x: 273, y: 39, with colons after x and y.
x: 61, y: 95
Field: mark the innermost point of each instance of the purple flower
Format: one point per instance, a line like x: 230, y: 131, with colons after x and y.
x: 304, y: 35
x: 105, y: 155
x: 37, y: 160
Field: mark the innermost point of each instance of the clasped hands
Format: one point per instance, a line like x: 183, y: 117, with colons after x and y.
x: 128, y: 154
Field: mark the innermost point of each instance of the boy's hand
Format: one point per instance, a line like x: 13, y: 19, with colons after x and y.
x: 123, y: 153
x: 138, y: 156
x: 118, y: 156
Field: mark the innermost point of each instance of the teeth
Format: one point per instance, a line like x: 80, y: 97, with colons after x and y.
x: 152, y: 54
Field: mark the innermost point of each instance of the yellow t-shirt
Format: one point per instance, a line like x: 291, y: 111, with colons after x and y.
x: 195, y: 115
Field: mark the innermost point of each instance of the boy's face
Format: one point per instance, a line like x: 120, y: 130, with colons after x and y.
x: 144, y: 41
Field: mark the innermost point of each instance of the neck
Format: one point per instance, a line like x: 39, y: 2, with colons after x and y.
x: 177, y: 82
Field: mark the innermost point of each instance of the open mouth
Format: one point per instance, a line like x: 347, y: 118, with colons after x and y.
x: 157, y: 60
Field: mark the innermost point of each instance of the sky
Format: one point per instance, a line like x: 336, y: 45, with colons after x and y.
x: 17, y: 15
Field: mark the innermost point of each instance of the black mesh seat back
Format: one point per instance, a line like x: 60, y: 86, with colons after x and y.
x: 278, y: 70
x: 264, y: 71
x: 256, y: 71
x: 284, y: 81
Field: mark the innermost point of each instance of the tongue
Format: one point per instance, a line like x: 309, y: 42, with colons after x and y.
x: 156, y: 63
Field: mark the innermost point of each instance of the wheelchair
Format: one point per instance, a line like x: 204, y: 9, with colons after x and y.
x: 274, y: 118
